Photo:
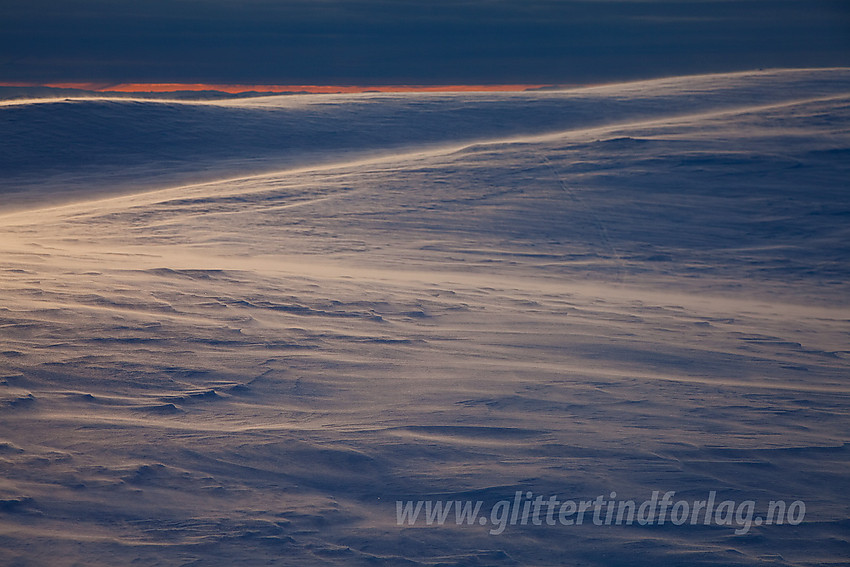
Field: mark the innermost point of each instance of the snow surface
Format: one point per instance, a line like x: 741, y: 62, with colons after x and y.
x: 368, y: 298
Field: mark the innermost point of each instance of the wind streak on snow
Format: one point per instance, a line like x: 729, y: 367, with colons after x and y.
x: 81, y: 149
x: 395, y: 159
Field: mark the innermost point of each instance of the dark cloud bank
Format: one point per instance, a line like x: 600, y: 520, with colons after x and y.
x: 418, y: 41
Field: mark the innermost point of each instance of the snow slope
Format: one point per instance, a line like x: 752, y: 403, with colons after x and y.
x: 373, y: 298
x: 69, y: 148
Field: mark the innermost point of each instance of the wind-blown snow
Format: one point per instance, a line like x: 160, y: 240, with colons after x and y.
x: 69, y: 149
x: 400, y: 297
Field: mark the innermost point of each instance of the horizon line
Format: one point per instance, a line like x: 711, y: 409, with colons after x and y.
x: 104, y: 87
x: 277, y: 89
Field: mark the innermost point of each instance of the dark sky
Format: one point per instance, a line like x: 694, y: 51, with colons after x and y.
x: 411, y: 41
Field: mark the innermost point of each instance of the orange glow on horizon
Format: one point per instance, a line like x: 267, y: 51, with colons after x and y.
x: 239, y: 89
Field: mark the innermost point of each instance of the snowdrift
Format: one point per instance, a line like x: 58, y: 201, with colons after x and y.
x: 371, y: 299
